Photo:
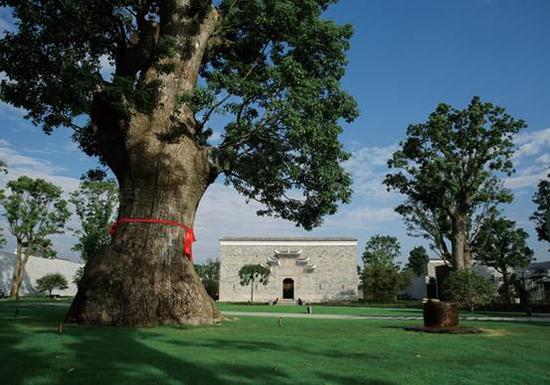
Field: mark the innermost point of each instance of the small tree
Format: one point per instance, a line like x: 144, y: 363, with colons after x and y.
x: 381, y: 277
x: 541, y: 216
x: 252, y: 273
x: 52, y: 281
x: 383, y: 283
x: 502, y: 246
x: 95, y: 201
x: 34, y: 210
x: 418, y: 259
x: 469, y: 288
x: 381, y: 250
x: 209, y: 273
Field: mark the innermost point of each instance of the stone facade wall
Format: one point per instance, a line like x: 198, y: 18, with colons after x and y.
x: 324, y: 270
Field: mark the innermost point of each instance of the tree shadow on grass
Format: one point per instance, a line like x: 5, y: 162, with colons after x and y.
x: 261, y: 347
x: 33, y: 352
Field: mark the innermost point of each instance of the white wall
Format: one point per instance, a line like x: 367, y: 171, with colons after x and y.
x: 35, y: 269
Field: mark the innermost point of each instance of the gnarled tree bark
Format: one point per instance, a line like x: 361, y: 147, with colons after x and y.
x: 143, y: 278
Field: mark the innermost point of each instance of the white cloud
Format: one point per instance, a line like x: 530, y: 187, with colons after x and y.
x: 532, y: 143
x: 532, y: 159
x: 19, y: 165
x: 368, y: 167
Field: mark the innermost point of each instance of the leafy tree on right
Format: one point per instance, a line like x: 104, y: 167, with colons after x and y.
x: 449, y: 167
x: 541, y: 216
x: 502, y: 246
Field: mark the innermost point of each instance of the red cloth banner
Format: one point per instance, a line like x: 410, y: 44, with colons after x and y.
x: 188, y: 238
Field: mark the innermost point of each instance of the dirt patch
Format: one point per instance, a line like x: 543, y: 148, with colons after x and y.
x: 496, y: 332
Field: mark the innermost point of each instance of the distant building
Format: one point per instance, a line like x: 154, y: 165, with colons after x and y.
x: 36, y: 268
x: 310, y: 269
x: 536, y: 279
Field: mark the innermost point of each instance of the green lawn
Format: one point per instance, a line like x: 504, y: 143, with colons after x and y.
x: 257, y: 351
x: 353, y: 310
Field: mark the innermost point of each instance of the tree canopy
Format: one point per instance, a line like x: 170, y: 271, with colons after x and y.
x: 502, y: 246
x: 450, y: 166
x: 541, y: 216
x: 272, y: 69
x: 249, y: 274
x: 381, y: 250
x: 95, y: 202
x: 418, y: 259
x: 381, y: 276
x: 209, y: 273
x: 49, y: 282
x: 34, y: 210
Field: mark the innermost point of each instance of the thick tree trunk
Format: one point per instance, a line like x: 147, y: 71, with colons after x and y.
x: 143, y: 278
x: 459, y: 242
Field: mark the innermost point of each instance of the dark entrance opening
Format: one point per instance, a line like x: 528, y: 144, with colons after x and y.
x: 431, y: 288
x: 288, y: 288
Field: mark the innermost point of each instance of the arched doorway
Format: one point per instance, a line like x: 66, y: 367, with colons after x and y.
x: 288, y: 288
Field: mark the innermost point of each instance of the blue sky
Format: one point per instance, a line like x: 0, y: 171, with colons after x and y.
x: 406, y: 57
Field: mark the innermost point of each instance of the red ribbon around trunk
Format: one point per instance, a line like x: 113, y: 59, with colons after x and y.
x: 188, y: 239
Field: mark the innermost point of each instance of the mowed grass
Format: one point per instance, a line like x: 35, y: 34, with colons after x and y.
x: 258, y: 351
x: 355, y: 310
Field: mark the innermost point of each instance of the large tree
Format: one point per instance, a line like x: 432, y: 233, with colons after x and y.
x: 34, y: 210
x: 502, y: 246
x: 541, y: 216
x: 271, y: 68
x: 450, y: 166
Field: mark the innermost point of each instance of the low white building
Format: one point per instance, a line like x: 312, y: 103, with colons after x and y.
x: 429, y: 284
x: 36, y: 268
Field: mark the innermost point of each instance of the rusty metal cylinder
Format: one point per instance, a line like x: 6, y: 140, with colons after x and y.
x: 440, y: 314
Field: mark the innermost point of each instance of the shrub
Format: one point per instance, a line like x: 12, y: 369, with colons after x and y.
x: 469, y: 288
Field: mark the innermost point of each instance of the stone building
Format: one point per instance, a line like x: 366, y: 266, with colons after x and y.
x: 312, y: 269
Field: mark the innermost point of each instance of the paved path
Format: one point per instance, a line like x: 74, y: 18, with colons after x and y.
x: 376, y: 317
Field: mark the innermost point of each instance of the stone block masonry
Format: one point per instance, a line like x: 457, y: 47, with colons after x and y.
x: 313, y: 269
